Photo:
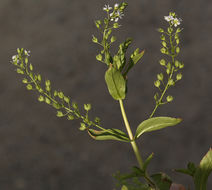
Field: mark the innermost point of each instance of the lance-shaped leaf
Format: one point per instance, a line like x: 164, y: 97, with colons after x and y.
x: 115, y: 83
x: 156, y: 123
x: 203, y: 171
x: 109, y: 134
x: 162, y: 181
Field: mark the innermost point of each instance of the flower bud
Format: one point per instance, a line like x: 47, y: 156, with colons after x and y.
x: 116, y: 25
x: 170, y: 30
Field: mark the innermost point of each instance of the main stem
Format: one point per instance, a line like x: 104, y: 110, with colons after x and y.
x: 129, y: 131
x: 134, y: 146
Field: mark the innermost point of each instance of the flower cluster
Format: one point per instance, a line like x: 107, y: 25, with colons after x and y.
x: 172, y: 19
x: 117, y: 12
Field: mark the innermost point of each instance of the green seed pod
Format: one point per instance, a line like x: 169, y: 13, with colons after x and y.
x: 59, y: 114
x: 162, y: 37
x: 87, y: 107
x: 99, y: 57
x: 29, y: 87
x: 169, y: 98
x: 171, y: 82
x: 160, y: 30
x: 160, y: 76
x: 47, y: 82
x: 179, y: 76
x: 168, y: 71
x: 70, y: 117
x: 177, y: 41
x: 19, y: 71
x: 178, y: 30
x: 30, y: 66
x: 116, y: 25
x: 163, y: 50
x: 176, y: 63
x: 97, y: 120
x: 98, y: 23
x: 113, y: 39
x: 156, y: 97
x: 157, y: 83
x: 39, y: 77
x: 60, y: 95
x: 56, y: 105
x: 163, y: 43
x: 162, y: 62
x: 66, y: 99
x: 74, y: 105
x: 181, y: 65
x: 82, y: 127
x: 47, y: 100
x: 177, y: 50
x: 55, y: 93
x: 26, y: 61
x: 94, y: 39
x: 24, y: 81
x: 40, y: 98
x: 48, y: 89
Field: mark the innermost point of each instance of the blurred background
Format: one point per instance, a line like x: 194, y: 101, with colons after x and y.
x: 39, y: 151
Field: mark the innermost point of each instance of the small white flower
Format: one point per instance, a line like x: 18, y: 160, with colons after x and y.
x: 176, y: 21
x: 27, y: 53
x: 14, y: 57
x: 119, y: 14
x: 168, y: 18
x: 107, y: 8
x: 116, y: 5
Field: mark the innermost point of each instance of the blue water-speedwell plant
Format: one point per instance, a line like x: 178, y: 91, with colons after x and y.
x: 118, y: 67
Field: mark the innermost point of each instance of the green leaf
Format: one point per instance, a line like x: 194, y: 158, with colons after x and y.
x: 162, y: 181
x: 134, y: 58
x: 156, y: 123
x: 203, y: 171
x: 147, y: 161
x: 190, y: 170
x: 115, y: 83
x: 109, y: 134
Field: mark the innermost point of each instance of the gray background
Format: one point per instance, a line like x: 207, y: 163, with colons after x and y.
x: 39, y: 151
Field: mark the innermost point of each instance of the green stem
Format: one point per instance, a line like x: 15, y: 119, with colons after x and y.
x: 134, y: 145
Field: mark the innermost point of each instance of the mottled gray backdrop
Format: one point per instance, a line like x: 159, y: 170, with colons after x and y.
x: 39, y: 151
